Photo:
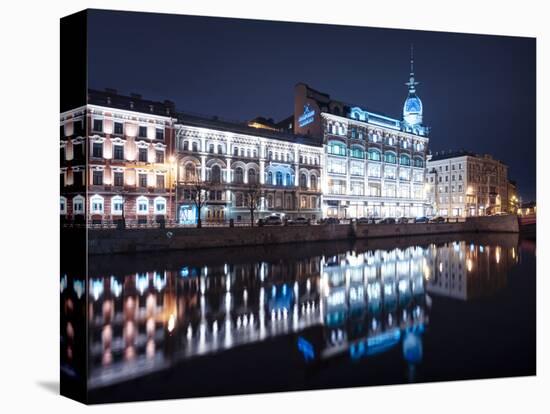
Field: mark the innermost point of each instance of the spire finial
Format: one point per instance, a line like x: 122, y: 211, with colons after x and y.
x: 412, y: 58
x: 412, y: 82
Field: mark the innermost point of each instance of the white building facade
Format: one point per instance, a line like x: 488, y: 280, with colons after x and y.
x: 233, y: 157
x: 464, y: 184
x: 373, y: 165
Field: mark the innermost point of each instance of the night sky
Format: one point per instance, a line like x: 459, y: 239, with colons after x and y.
x: 478, y: 91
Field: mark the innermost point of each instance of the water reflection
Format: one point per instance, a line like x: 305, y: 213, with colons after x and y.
x: 358, y: 302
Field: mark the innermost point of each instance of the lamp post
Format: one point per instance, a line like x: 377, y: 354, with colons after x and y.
x: 173, y: 161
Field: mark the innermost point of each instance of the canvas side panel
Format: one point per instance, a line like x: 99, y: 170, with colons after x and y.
x: 73, y: 206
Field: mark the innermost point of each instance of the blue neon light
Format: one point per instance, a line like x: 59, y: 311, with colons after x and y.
x: 306, y: 348
x: 307, y: 117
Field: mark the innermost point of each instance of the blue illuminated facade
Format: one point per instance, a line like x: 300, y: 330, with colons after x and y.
x: 374, y: 164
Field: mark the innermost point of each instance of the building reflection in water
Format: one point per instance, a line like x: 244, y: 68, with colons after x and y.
x: 358, y: 303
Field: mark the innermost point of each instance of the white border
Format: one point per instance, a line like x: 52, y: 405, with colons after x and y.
x: 30, y: 90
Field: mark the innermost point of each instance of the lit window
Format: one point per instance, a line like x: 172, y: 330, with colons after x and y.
x: 142, y: 205
x: 160, y: 205
x: 63, y: 205
x: 117, y: 203
x: 96, y: 204
x: 78, y: 205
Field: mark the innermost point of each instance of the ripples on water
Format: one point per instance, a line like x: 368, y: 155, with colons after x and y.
x: 145, y: 314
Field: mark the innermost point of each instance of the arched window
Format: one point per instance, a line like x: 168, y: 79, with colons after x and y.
x: 78, y: 205
x: 251, y: 176
x: 390, y: 157
x: 279, y: 178
x: 357, y: 152
x: 63, y: 205
x: 160, y: 205
x: 270, y: 178
x: 236, y: 151
x: 239, y: 200
x: 211, y: 148
x: 303, y: 180
x: 96, y: 204
x: 239, y: 175
x: 117, y: 205
x: 418, y: 162
x: 270, y: 155
x: 313, y: 180
x: 374, y: 155
x: 186, y: 145
x: 215, y: 174
x: 404, y: 159
x: 336, y: 148
x: 288, y: 179
x: 190, y: 172
x: 142, y: 205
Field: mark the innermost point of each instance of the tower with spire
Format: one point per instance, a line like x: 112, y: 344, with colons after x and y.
x: 412, y: 109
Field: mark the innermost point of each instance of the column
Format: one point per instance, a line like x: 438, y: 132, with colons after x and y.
x: 203, y: 167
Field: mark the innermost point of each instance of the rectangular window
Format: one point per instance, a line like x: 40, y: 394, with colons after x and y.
x: 417, y: 176
x: 160, y: 181
x: 77, y: 178
x: 159, y: 134
x: 98, y: 125
x: 118, y: 178
x: 337, y: 166
x: 97, y: 150
x: 374, y: 170
x: 142, y: 180
x: 142, y: 154
x: 119, y: 128
x: 389, y: 190
x: 357, y: 188
x: 357, y: 168
x: 389, y: 172
x: 337, y: 187
x: 374, y: 190
x: 143, y: 132
x: 118, y: 152
x: 404, y: 174
x: 159, y: 156
x: 97, y: 178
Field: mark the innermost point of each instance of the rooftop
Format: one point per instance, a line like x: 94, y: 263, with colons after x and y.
x: 135, y: 102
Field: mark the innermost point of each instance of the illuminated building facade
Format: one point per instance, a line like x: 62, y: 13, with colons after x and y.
x: 234, y: 157
x: 120, y: 159
x: 373, y: 165
x: 115, y: 154
x: 464, y: 184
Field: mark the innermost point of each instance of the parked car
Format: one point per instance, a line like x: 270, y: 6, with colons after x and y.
x: 402, y: 220
x: 272, y: 221
x: 298, y: 221
x: 387, y: 220
x: 330, y: 220
x: 364, y: 220
x: 438, y: 219
x: 422, y: 219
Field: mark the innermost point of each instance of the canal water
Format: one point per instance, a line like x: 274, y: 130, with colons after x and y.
x: 304, y: 316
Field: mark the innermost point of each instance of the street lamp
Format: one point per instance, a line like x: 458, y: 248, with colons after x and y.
x: 172, y: 160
